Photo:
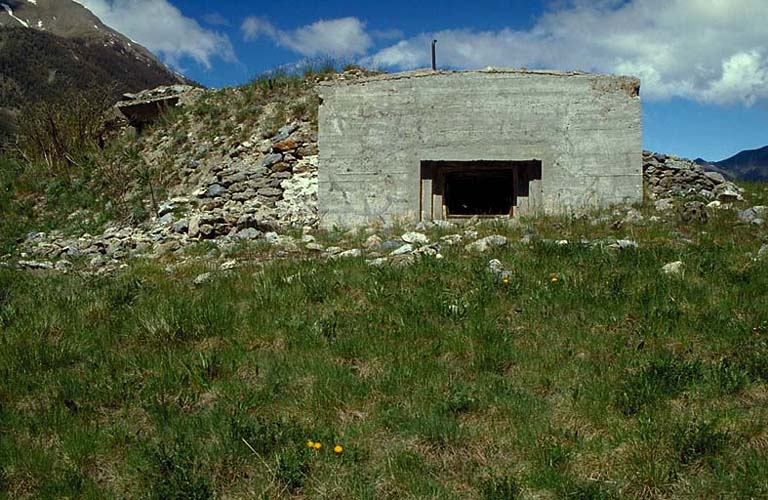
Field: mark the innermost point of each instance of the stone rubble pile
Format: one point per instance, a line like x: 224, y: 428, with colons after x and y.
x: 255, y: 191
x: 667, y: 177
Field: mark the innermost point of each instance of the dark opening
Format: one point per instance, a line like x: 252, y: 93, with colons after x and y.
x: 479, y: 192
x: 483, y: 188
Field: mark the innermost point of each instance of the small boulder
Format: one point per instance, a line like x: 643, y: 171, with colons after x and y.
x: 270, y: 160
x: 727, y: 192
x: 694, y: 211
x: 484, y: 244
x: 272, y: 238
x: 626, y: 244
x: 664, y: 205
x: 249, y: 233
x: 353, y: 253
x: 415, y: 238
x: 673, y: 268
x: 202, y: 278
x: 285, y: 146
x: 181, y: 226
x: 228, y: 265
x: 763, y: 252
x: 63, y: 265
x: 166, y: 219
x: 402, y: 250
x: 750, y: 214
x: 373, y: 241
x: 715, y: 177
x: 194, y: 226
x: 451, y: 239
x: 215, y: 190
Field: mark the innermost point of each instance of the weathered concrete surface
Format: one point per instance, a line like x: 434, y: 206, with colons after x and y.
x: 374, y: 133
x: 146, y: 106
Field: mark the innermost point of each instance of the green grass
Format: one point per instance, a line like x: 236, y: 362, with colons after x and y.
x: 614, y: 381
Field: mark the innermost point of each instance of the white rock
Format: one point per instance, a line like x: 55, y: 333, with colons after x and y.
x: 443, y: 224
x: 229, y: 265
x: 272, y: 238
x: 728, y: 192
x: 487, y: 243
x: 664, y: 204
x: 373, y: 241
x: 202, y: 278
x: 407, y: 248
x: 495, y: 266
x: 673, y: 268
x: 32, y: 264
x: 451, y: 239
x: 355, y: 252
x: 415, y: 238
x: 763, y: 252
x: 63, y: 265
x: 624, y: 244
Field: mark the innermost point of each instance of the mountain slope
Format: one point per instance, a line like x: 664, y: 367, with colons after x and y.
x: 48, y: 47
x: 749, y: 165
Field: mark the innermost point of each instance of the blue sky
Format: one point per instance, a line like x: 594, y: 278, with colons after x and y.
x: 703, y: 63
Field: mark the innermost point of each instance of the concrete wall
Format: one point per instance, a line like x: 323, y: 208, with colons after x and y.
x: 374, y: 133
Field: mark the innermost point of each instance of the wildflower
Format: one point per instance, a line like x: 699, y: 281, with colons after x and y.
x: 338, y: 449
x: 505, y: 280
x: 554, y: 279
x: 317, y: 446
x: 310, y: 444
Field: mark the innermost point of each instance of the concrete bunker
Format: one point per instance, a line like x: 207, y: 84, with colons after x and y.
x: 432, y: 145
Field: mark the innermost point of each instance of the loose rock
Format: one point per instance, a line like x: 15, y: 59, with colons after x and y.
x: 673, y: 268
x: 484, y: 244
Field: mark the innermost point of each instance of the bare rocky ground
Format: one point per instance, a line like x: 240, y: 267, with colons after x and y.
x: 257, y: 184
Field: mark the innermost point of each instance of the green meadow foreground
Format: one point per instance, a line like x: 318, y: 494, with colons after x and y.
x: 588, y: 373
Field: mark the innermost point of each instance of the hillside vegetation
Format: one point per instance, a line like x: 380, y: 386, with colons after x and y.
x: 81, y: 186
x: 53, y: 66
x: 583, y: 372
x: 614, y: 354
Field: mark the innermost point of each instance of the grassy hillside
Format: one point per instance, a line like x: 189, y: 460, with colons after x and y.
x: 588, y: 373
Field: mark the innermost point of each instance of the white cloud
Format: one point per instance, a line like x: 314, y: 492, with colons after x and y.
x: 163, y: 29
x: 706, y: 50
x: 215, y: 19
x: 345, y: 37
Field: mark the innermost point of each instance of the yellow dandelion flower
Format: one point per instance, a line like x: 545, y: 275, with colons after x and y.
x: 317, y: 446
x: 505, y: 281
x: 310, y: 444
x: 554, y: 279
x: 338, y: 449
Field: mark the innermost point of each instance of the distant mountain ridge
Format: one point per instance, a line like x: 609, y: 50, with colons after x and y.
x: 48, y: 47
x: 748, y: 165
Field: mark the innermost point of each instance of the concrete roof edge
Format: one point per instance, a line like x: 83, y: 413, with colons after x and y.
x: 423, y: 73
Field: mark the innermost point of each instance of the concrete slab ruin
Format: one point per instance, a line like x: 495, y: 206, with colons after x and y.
x: 495, y: 143
x: 147, y: 106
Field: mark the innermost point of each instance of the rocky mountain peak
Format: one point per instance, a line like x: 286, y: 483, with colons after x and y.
x: 71, y: 20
